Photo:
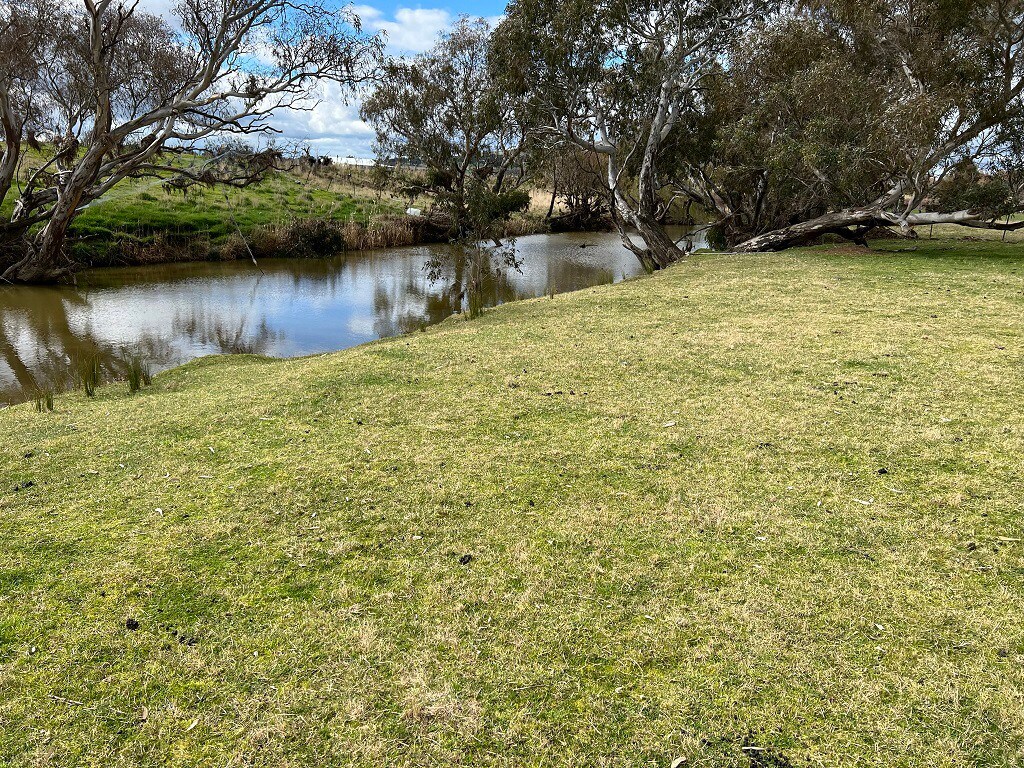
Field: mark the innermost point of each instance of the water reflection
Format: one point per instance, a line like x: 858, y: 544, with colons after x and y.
x: 168, y: 315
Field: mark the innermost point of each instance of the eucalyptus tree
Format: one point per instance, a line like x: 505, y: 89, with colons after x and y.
x: 121, y: 87
x: 622, y: 79
x: 843, y: 116
x: 28, y: 41
x: 444, y: 110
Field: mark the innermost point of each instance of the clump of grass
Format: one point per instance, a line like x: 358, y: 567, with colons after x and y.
x: 89, y: 372
x: 43, y: 399
x: 138, y: 372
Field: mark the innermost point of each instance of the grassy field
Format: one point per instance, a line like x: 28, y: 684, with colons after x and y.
x: 752, y: 511
x: 143, y: 222
x: 144, y: 208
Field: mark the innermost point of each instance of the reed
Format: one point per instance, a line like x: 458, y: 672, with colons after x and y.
x: 521, y: 226
x: 391, y: 232
x: 89, y: 372
x: 138, y: 373
x: 43, y: 399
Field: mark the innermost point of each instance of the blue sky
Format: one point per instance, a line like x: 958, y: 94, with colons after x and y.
x: 334, y: 127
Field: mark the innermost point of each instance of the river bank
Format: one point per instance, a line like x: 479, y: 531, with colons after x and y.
x: 55, y: 338
x: 305, y: 212
x: 312, y: 213
x: 304, y: 238
x: 762, y: 505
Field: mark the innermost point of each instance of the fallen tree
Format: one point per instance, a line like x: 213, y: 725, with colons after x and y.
x: 854, y: 225
x: 841, y: 117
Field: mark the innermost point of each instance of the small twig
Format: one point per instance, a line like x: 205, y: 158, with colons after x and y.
x: 67, y: 701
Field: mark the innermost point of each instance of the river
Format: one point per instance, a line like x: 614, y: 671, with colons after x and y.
x: 170, y: 314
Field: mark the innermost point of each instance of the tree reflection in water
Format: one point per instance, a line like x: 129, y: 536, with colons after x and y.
x: 167, y: 315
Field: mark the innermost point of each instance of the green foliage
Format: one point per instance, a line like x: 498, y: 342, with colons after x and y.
x: 502, y: 205
x: 486, y: 210
x: 446, y: 110
x: 843, y: 105
x: 626, y: 81
x: 965, y: 188
x: 786, y: 148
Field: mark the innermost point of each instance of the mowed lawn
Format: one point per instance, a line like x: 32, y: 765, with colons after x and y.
x: 755, y: 510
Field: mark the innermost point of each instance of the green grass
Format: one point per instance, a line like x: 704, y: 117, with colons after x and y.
x: 142, y: 210
x: 759, y: 510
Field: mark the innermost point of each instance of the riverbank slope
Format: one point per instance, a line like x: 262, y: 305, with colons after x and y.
x: 301, y: 211
x: 758, y: 510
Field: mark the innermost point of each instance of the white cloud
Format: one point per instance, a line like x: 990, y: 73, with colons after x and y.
x: 412, y: 30
x: 333, y: 126
x: 160, y: 7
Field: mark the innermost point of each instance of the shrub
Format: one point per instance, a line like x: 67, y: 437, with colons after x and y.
x: 310, y: 238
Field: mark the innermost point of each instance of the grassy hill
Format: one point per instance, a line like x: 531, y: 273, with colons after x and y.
x: 141, y: 221
x: 144, y: 208
x: 752, y: 511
